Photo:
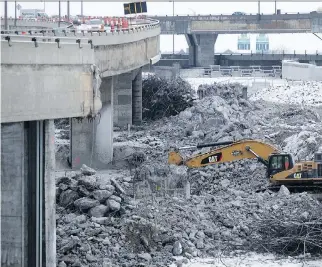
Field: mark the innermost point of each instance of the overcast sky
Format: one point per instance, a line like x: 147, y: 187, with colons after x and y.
x: 299, y: 42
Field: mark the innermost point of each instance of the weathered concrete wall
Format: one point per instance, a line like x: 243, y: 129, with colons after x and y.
x: 123, y: 99
x: 268, y: 26
x: 231, y: 24
x: 45, y: 82
x: 137, y: 98
x: 122, y: 58
x: 14, y: 217
x: 92, y: 141
x: 206, y: 47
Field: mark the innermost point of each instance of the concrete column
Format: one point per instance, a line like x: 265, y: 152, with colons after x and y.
x: 104, y: 127
x: 191, y: 41
x: 137, y: 98
x: 123, y: 99
x: 14, y: 217
x: 201, y: 49
x: 22, y: 167
x: 92, y: 140
x: 49, y: 195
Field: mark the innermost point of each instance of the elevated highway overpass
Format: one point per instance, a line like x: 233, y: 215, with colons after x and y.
x: 96, y: 81
x: 201, y: 31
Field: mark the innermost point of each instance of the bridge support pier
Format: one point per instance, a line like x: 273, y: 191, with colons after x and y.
x: 201, y: 49
x: 28, y: 222
x: 128, y: 98
x: 92, y: 140
x: 137, y: 98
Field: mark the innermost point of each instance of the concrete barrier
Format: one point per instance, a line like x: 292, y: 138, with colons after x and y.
x: 192, y: 73
x: 292, y: 70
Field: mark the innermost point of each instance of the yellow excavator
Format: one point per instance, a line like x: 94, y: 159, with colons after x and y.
x: 281, y: 167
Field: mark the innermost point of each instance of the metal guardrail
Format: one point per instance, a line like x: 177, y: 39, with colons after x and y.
x: 251, y: 71
x: 149, y: 24
x: 11, y: 39
x: 262, y: 16
x: 67, y: 35
x: 230, y: 14
x: 169, y: 55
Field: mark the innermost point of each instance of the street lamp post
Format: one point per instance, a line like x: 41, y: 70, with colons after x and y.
x: 6, y: 15
x: 59, y: 14
x: 275, y: 8
x: 173, y: 27
x: 82, y: 12
x: 68, y: 11
x: 15, y: 13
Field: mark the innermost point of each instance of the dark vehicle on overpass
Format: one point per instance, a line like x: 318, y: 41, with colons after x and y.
x: 238, y: 13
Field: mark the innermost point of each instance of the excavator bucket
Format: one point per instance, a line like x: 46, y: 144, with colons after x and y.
x: 175, y: 158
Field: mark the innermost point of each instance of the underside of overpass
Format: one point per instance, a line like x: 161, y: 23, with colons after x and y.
x: 48, y: 82
x: 92, y: 140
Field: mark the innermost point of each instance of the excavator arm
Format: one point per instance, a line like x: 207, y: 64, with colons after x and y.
x: 229, y: 151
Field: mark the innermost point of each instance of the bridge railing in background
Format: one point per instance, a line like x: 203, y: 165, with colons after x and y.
x: 216, y: 71
x: 255, y: 16
x: 294, y: 53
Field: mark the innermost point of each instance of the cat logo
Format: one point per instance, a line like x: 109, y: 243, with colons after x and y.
x: 213, y: 159
x: 297, y: 175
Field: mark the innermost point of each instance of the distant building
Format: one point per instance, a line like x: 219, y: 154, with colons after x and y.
x: 228, y: 51
x: 243, y: 42
x: 262, y: 43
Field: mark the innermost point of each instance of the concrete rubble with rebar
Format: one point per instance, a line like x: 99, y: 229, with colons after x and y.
x: 140, y: 211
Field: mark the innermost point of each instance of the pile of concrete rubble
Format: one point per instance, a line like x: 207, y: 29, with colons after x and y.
x: 99, y: 223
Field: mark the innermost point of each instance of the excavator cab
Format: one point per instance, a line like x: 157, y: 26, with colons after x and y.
x: 278, y: 163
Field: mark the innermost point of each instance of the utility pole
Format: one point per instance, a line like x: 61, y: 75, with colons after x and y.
x: 173, y: 27
x: 68, y: 13
x: 82, y: 12
x: 6, y: 15
x: 59, y: 14
x: 259, y: 7
x: 15, y: 13
x: 275, y: 8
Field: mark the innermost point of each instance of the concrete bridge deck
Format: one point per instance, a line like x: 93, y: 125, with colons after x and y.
x: 201, y: 31
x: 232, y: 24
x: 46, y: 77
